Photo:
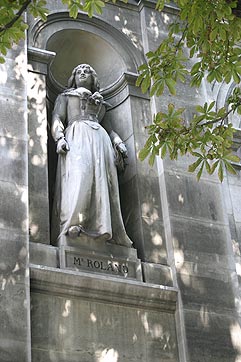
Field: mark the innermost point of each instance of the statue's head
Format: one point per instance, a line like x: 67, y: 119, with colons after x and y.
x: 85, y: 76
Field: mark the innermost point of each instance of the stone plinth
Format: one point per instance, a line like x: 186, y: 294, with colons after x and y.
x: 92, y: 256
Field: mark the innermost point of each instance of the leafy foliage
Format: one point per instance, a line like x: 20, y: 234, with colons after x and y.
x: 13, y: 26
x: 210, y: 31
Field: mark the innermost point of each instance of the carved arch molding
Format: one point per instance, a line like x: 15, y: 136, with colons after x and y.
x: 85, y: 40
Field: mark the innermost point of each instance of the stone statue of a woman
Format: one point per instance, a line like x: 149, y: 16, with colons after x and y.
x: 86, y: 192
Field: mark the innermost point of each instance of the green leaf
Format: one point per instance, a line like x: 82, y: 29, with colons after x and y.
x: 220, y: 171
x: 208, y: 167
x: 73, y: 11
x: 214, y: 166
x: 160, y: 5
x: 152, y: 158
x: 239, y: 109
x: 211, y: 106
x: 236, y: 77
x: 163, y: 150
x: 195, y: 68
x: 171, y: 84
x: 145, y: 84
x: 139, y: 79
x: 213, y: 34
x: 142, y: 67
x: 144, y: 152
x: 158, y: 88
x: 211, y: 76
x: 222, y: 33
x: 193, y: 166
x: 199, y: 174
x: 199, y: 109
x: 230, y: 168
x: 231, y: 157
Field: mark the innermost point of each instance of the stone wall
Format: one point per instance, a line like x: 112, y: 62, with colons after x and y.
x: 14, y: 266
x: 184, y: 306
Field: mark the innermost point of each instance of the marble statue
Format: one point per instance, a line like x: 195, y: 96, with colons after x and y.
x: 86, y: 198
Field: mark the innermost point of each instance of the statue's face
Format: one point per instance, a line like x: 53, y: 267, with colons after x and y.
x: 83, y: 77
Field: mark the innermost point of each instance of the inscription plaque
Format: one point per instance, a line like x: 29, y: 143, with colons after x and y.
x: 82, y: 260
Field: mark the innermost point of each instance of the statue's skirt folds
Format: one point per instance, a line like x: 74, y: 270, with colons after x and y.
x: 86, y: 189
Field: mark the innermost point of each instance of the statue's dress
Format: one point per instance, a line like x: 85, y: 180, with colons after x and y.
x: 86, y: 191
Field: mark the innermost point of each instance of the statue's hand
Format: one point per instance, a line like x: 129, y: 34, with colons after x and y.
x: 121, y: 147
x: 96, y: 98
x: 62, y: 146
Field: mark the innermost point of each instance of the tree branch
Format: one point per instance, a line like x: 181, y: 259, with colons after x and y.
x: 216, y: 119
x: 16, y: 17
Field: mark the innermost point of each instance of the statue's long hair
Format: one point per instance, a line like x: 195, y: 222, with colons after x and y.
x: 95, y: 83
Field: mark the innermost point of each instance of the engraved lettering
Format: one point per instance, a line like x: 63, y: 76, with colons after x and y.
x: 101, y: 266
x: 76, y: 261
x: 110, y: 267
x: 89, y: 263
x: 125, y: 269
x: 97, y: 264
x: 107, y: 266
x: 118, y: 268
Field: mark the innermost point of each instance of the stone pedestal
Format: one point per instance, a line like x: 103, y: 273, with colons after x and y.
x: 86, y: 254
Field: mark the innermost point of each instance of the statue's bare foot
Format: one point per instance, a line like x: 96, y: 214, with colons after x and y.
x: 74, y: 231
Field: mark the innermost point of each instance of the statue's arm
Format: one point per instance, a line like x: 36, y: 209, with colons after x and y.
x: 118, y: 143
x: 58, y: 121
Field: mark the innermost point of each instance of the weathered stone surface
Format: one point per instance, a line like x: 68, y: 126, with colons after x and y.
x: 211, y: 336
x: 120, y: 120
x: 14, y: 350
x: 235, y: 192
x: 157, y: 274
x: 14, y: 213
x: 131, y: 211
x: 216, y: 293
x: 199, y: 237
x: 188, y: 198
x: 39, y: 218
x: 12, y: 153
x: 13, y: 73
x: 10, y: 126
x: 131, y: 168
x: 155, y: 242
x: 38, y: 175
x: 43, y: 255
x: 141, y: 116
x: 14, y: 273
x: 103, y: 288
x: 37, y: 159
x: 90, y: 329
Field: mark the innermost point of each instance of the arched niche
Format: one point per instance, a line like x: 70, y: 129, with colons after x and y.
x: 223, y: 92
x: 44, y: 35
x: 74, y: 46
x: 108, y: 51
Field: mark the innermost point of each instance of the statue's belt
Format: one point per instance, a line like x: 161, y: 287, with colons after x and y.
x: 90, y: 120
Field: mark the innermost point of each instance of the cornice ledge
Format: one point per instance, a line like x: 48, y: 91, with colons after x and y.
x: 39, y: 59
x: 117, y: 92
x: 105, y: 289
x: 168, y: 8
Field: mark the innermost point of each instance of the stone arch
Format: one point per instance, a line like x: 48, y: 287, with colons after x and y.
x: 106, y: 48
x: 223, y: 93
